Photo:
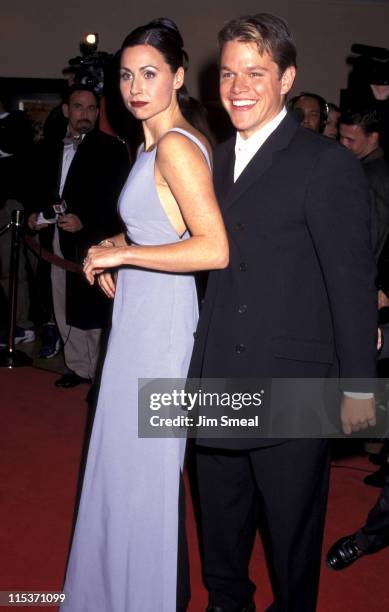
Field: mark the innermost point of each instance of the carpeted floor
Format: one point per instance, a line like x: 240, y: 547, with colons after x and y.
x: 41, y: 437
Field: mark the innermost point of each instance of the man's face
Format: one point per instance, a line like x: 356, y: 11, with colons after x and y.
x: 354, y: 138
x: 81, y: 112
x: 251, y: 88
x: 310, y: 108
x: 331, y: 128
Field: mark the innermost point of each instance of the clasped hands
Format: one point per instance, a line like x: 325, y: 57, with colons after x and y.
x: 99, y: 258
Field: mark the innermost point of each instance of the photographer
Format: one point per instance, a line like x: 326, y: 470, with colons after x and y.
x: 77, y: 182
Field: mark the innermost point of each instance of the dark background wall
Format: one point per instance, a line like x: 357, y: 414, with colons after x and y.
x: 37, y: 38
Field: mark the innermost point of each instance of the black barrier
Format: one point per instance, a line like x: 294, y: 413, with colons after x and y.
x: 9, y: 357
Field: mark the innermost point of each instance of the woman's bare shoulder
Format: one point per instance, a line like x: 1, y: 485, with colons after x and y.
x: 176, y: 142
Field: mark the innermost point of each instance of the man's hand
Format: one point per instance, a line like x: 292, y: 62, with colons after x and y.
x: 32, y: 223
x: 357, y: 414
x: 380, y: 92
x: 69, y: 223
x: 383, y: 300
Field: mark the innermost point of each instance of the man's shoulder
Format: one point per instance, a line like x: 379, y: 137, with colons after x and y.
x: 326, y: 154
x: 100, y: 138
x: 377, y: 168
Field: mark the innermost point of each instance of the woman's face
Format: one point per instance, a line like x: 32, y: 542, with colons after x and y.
x: 147, y: 83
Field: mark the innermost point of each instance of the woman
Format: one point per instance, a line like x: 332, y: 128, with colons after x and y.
x: 124, y: 552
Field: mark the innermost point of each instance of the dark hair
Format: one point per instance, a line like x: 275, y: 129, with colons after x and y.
x: 368, y: 119
x: 268, y: 32
x: 164, y: 36
x: 79, y: 87
x: 333, y: 107
x: 323, y: 106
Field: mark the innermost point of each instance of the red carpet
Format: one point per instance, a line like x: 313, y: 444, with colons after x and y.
x: 41, y: 436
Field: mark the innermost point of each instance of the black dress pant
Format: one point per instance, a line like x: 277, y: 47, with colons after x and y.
x: 374, y: 535
x: 288, y: 484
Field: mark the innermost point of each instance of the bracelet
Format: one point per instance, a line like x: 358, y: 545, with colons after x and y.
x: 106, y: 241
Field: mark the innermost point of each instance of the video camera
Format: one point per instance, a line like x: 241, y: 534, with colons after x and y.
x: 372, y: 65
x: 89, y: 67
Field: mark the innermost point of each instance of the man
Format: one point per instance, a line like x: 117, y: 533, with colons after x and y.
x: 360, y: 133
x: 331, y: 129
x: 312, y: 109
x: 300, y: 281
x: 84, y: 174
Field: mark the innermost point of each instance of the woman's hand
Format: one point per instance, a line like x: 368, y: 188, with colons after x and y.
x: 107, y: 283
x: 100, y: 258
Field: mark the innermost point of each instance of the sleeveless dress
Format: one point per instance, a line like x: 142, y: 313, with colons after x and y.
x: 124, y: 551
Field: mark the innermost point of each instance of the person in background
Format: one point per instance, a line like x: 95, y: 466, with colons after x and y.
x: 83, y: 175
x: 311, y: 111
x: 359, y: 131
x: 374, y: 535
x: 16, y: 141
x: 332, y: 124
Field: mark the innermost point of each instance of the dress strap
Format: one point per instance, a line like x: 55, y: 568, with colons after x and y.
x: 194, y: 139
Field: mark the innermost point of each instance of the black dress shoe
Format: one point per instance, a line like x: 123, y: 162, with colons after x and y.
x: 250, y: 608
x: 343, y: 553
x: 71, y: 380
x: 377, y: 479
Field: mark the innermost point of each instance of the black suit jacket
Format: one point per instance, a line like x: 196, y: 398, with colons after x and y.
x: 93, y: 184
x: 298, y: 298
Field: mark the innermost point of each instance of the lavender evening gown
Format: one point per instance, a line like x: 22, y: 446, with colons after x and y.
x: 124, y: 551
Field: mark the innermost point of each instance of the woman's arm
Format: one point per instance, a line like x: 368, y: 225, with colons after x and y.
x: 114, y: 241
x: 186, y: 172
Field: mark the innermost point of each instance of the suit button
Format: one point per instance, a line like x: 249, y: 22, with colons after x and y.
x: 240, y: 348
x: 238, y: 227
x: 195, y: 335
x: 243, y: 266
x: 242, y: 309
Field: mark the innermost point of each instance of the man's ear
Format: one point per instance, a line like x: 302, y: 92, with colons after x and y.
x: 65, y: 110
x: 374, y: 139
x: 287, y: 79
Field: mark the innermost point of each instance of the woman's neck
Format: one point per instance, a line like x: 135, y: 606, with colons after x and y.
x: 156, y: 127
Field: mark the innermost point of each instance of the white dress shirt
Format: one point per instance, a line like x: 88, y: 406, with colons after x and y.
x: 246, y: 149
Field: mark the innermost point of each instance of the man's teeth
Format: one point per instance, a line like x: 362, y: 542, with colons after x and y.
x: 243, y: 102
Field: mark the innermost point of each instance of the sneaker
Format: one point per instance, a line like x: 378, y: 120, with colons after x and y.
x: 22, y: 336
x: 51, y: 342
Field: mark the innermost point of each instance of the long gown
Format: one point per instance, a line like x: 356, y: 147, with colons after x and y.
x: 124, y: 550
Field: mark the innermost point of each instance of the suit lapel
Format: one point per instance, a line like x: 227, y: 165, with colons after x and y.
x: 261, y: 161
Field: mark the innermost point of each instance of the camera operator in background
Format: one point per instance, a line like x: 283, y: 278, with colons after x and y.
x: 368, y: 85
x: 77, y: 182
